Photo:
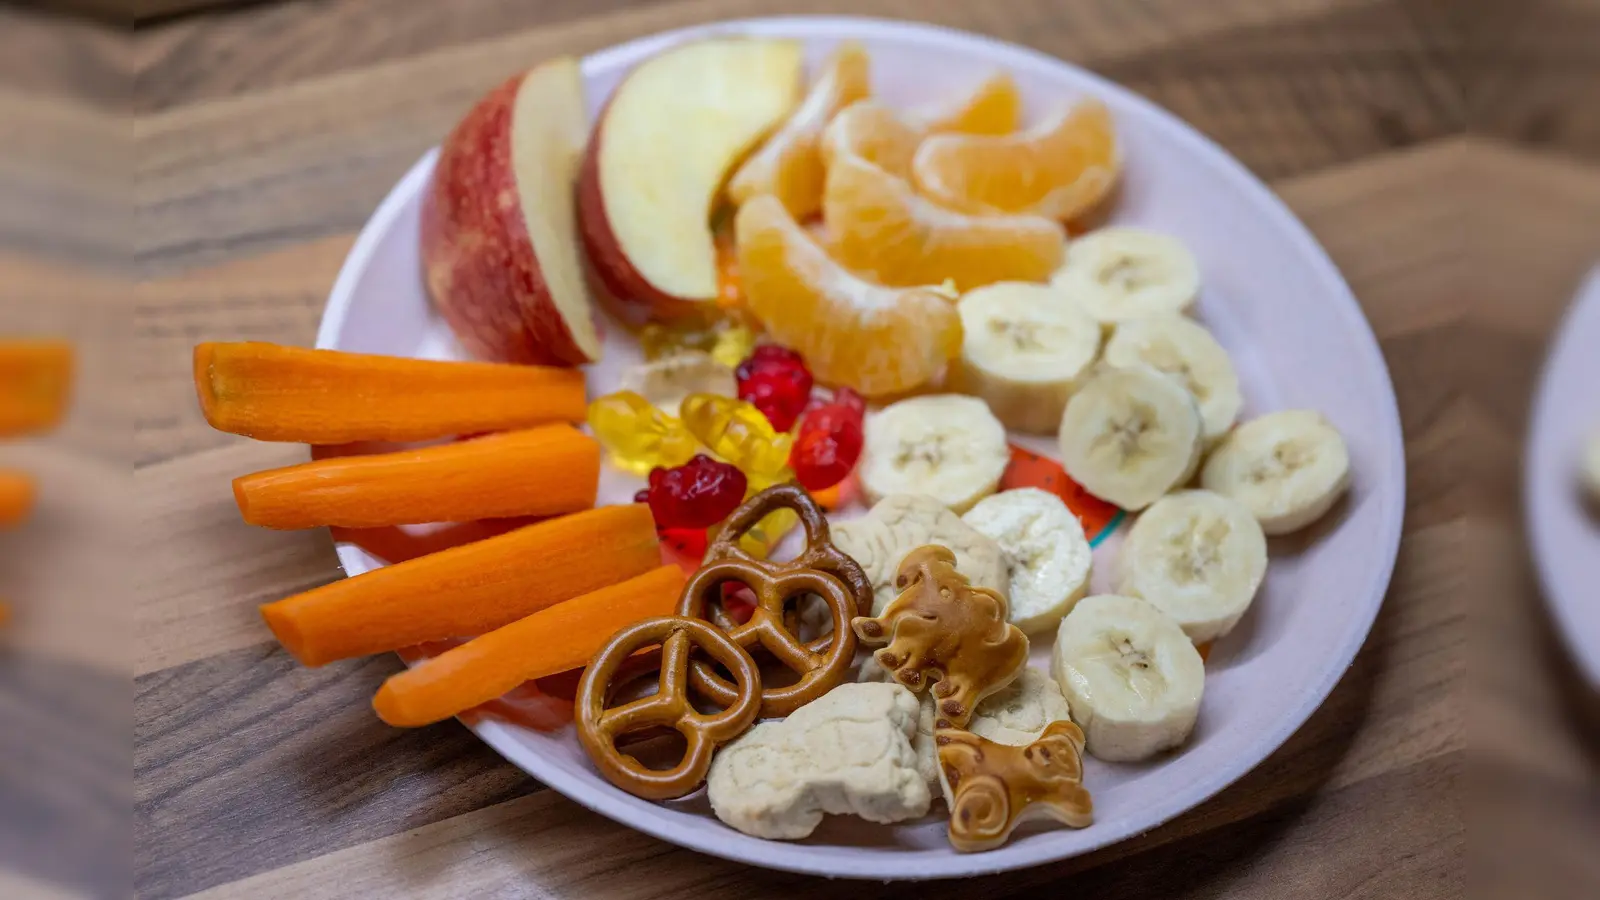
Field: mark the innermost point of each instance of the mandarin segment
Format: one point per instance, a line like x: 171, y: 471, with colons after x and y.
x: 878, y: 340
x: 879, y: 226
x: 789, y: 164
x: 993, y: 107
x: 874, y: 132
x: 1060, y: 169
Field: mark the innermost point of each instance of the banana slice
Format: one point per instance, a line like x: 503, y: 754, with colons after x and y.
x: 666, y: 381
x: 1131, y: 676
x: 1286, y: 467
x: 1197, y: 556
x: 1130, y: 435
x: 1183, y: 349
x: 1023, y: 351
x: 1118, y: 274
x: 1046, y: 552
x: 945, y: 446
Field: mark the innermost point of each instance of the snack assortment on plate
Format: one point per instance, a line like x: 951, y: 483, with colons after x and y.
x: 833, y: 296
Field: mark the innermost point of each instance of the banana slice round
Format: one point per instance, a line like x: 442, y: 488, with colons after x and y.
x: 1183, y: 349
x: 1024, y: 349
x: 1286, y: 467
x: 1197, y: 556
x: 945, y: 446
x: 1130, y: 435
x: 666, y: 381
x: 1118, y: 274
x: 1046, y: 552
x: 1131, y: 676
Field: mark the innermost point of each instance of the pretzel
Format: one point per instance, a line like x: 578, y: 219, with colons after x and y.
x: 992, y: 787
x: 599, y: 728
x: 942, y: 627
x: 821, y: 569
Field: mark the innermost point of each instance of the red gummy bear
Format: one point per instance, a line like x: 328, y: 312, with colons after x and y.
x: 776, y: 381
x: 698, y: 494
x: 829, y: 442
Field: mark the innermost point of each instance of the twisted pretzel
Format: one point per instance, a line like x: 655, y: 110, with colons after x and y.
x: 599, y: 728
x: 821, y: 569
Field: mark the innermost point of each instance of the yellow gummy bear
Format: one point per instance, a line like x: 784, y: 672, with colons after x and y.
x: 727, y: 341
x: 637, y: 435
x: 738, y: 432
x: 766, y: 534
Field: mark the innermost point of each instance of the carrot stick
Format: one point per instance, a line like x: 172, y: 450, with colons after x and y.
x: 467, y: 590
x: 35, y: 381
x: 16, y: 497
x: 275, y: 393
x: 552, y: 640
x: 546, y: 471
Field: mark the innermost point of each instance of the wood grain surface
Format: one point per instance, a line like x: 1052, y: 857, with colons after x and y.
x: 1443, y: 152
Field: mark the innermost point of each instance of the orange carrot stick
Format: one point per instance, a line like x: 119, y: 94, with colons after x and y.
x: 275, y: 393
x: 549, y: 641
x: 35, y: 381
x: 467, y: 590
x: 551, y: 470
x: 16, y: 497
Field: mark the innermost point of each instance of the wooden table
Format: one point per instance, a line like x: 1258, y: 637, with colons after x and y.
x: 1436, y: 149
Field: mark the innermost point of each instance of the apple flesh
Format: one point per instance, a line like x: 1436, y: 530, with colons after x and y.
x: 499, y: 231
x: 656, y: 163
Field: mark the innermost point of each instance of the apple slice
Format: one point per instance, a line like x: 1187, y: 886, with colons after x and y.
x: 657, y: 161
x: 499, y: 235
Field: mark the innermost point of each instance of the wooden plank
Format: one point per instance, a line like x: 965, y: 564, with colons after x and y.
x: 245, y: 761
x: 547, y: 841
x: 204, y: 571
x: 64, y: 784
x: 274, y: 297
x: 256, y: 50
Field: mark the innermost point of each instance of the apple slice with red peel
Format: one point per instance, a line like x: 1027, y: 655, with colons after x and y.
x: 658, y: 159
x: 499, y: 235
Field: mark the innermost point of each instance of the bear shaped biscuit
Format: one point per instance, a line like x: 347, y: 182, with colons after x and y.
x: 942, y: 631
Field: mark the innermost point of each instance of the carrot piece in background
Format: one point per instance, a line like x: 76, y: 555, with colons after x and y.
x: 467, y: 590
x: 16, y: 497
x: 552, y: 640
x: 551, y: 470
x: 276, y: 393
x: 35, y: 385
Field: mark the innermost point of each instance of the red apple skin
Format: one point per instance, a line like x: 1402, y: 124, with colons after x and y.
x: 614, y: 280
x: 477, y: 257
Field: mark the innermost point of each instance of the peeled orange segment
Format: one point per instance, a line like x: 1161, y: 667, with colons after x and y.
x: 993, y: 107
x: 1060, y: 169
x: 875, y: 133
x: 879, y: 226
x: 789, y: 164
x: 875, y: 339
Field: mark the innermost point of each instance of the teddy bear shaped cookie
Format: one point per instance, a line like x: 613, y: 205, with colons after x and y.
x: 945, y: 634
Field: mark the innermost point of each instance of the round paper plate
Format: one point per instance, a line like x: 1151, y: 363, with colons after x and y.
x: 1565, y: 533
x: 1271, y: 296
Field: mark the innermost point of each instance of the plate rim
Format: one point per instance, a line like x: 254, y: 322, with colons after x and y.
x: 1536, y: 451
x: 1390, y: 483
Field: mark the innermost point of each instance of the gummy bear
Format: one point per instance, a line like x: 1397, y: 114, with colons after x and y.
x: 829, y: 441
x: 775, y: 379
x: 638, y: 436
x: 727, y: 340
x: 738, y: 432
x: 698, y: 494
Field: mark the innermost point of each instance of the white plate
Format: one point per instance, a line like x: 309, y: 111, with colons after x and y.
x: 1274, y: 300
x: 1564, y: 533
